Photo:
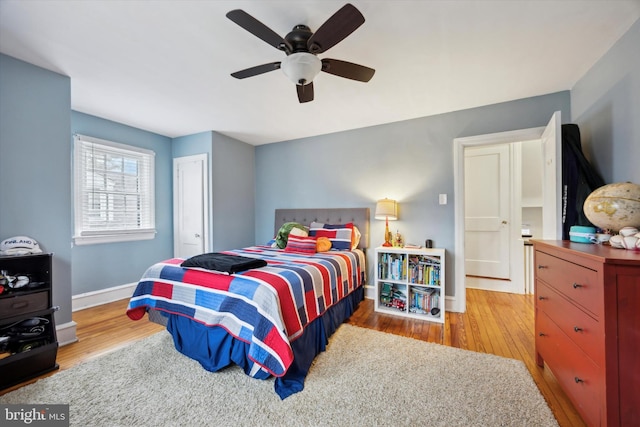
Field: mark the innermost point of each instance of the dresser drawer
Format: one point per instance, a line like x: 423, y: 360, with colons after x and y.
x: 576, y: 282
x: 37, y: 361
x: 580, y: 327
x: 20, y: 304
x: 578, y: 376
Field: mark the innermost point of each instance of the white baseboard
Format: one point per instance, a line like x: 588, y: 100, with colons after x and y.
x: 452, y: 305
x: 369, y: 291
x: 103, y: 296
x: 66, y: 333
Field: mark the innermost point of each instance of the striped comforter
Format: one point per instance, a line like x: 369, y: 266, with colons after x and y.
x: 266, y: 307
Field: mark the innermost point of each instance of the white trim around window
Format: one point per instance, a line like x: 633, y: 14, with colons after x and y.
x: 113, y: 192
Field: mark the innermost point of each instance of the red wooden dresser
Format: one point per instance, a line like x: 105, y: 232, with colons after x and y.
x: 588, y: 327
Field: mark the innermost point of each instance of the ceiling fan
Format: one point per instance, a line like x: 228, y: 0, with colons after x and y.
x: 302, y: 47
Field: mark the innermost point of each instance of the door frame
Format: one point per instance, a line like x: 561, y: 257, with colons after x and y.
x: 459, y: 301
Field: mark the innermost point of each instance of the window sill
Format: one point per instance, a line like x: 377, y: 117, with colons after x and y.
x: 113, y: 238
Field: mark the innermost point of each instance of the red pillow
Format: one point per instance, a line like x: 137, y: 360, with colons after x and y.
x: 301, y: 245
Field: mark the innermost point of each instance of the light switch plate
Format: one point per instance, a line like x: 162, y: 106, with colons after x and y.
x: 442, y: 199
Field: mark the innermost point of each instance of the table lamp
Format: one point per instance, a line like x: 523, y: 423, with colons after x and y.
x: 386, y: 209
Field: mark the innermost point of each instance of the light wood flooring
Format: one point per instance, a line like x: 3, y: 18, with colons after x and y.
x: 495, y: 323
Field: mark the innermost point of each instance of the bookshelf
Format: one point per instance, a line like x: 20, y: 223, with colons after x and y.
x: 411, y: 282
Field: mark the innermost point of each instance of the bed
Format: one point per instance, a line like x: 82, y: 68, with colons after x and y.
x: 271, y: 319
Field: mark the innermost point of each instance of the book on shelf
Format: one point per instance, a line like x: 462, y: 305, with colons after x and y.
x: 425, y: 274
x: 392, y: 266
x: 424, y: 300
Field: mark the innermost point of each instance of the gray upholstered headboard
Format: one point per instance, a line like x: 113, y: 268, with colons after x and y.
x: 359, y: 217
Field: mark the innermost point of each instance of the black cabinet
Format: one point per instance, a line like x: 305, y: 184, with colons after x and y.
x: 28, y: 343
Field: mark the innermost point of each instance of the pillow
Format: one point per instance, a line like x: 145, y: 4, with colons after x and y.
x: 355, y: 238
x: 339, y: 234
x: 301, y: 244
x: 323, y: 244
x: 285, y: 230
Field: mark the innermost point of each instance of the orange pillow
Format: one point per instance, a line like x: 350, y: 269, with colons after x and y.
x: 355, y: 238
x: 323, y: 244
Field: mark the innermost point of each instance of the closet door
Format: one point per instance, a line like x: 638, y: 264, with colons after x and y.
x: 190, y: 206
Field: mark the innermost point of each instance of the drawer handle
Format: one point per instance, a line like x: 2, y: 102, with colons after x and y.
x: 578, y: 380
x: 541, y: 298
x: 21, y: 304
x: 542, y: 334
x: 576, y: 285
x: 577, y: 329
x: 540, y: 267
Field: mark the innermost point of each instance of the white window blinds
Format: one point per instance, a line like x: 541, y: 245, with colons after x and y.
x: 114, y: 191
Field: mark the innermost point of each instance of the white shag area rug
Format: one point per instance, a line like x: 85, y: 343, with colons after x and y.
x: 365, y: 378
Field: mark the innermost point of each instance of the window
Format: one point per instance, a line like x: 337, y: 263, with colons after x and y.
x: 113, y: 192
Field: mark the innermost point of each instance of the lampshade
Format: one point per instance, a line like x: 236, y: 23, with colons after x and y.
x: 386, y: 209
x: 301, y: 67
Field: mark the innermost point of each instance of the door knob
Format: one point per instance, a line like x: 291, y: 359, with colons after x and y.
x: 504, y: 222
x: 197, y: 235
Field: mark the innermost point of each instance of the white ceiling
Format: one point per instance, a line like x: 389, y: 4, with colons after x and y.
x: 164, y: 66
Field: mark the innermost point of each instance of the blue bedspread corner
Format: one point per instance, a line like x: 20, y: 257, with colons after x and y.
x: 313, y: 342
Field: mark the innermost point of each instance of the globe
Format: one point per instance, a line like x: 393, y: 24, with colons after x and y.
x: 614, y: 206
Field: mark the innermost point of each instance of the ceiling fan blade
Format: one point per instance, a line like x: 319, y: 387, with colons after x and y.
x: 254, y: 71
x: 344, y: 22
x: 305, y: 92
x: 258, y: 29
x: 348, y: 70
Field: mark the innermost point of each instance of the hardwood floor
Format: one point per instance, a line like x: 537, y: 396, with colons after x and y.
x: 495, y: 323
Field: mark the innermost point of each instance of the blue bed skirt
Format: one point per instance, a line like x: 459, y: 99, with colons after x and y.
x: 216, y: 349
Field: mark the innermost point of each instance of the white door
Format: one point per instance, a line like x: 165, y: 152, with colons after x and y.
x: 190, y: 206
x: 487, y: 211
x: 552, y: 178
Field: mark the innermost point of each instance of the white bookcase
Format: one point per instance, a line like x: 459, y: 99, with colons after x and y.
x: 411, y: 282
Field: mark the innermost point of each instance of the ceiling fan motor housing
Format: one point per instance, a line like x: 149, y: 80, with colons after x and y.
x: 298, y: 38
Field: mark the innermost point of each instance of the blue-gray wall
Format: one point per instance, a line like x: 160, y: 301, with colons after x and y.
x: 409, y: 161
x: 35, y: 166
x: 231, y: 186
x: 102, y: 266
x: 605, y: 104
x: 233, y: 189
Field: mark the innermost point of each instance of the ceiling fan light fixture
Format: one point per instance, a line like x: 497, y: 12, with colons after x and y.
x: 301, y: 67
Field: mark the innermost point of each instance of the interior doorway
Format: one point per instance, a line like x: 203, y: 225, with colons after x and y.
x: 190, y: 206
x: 549, y: 138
